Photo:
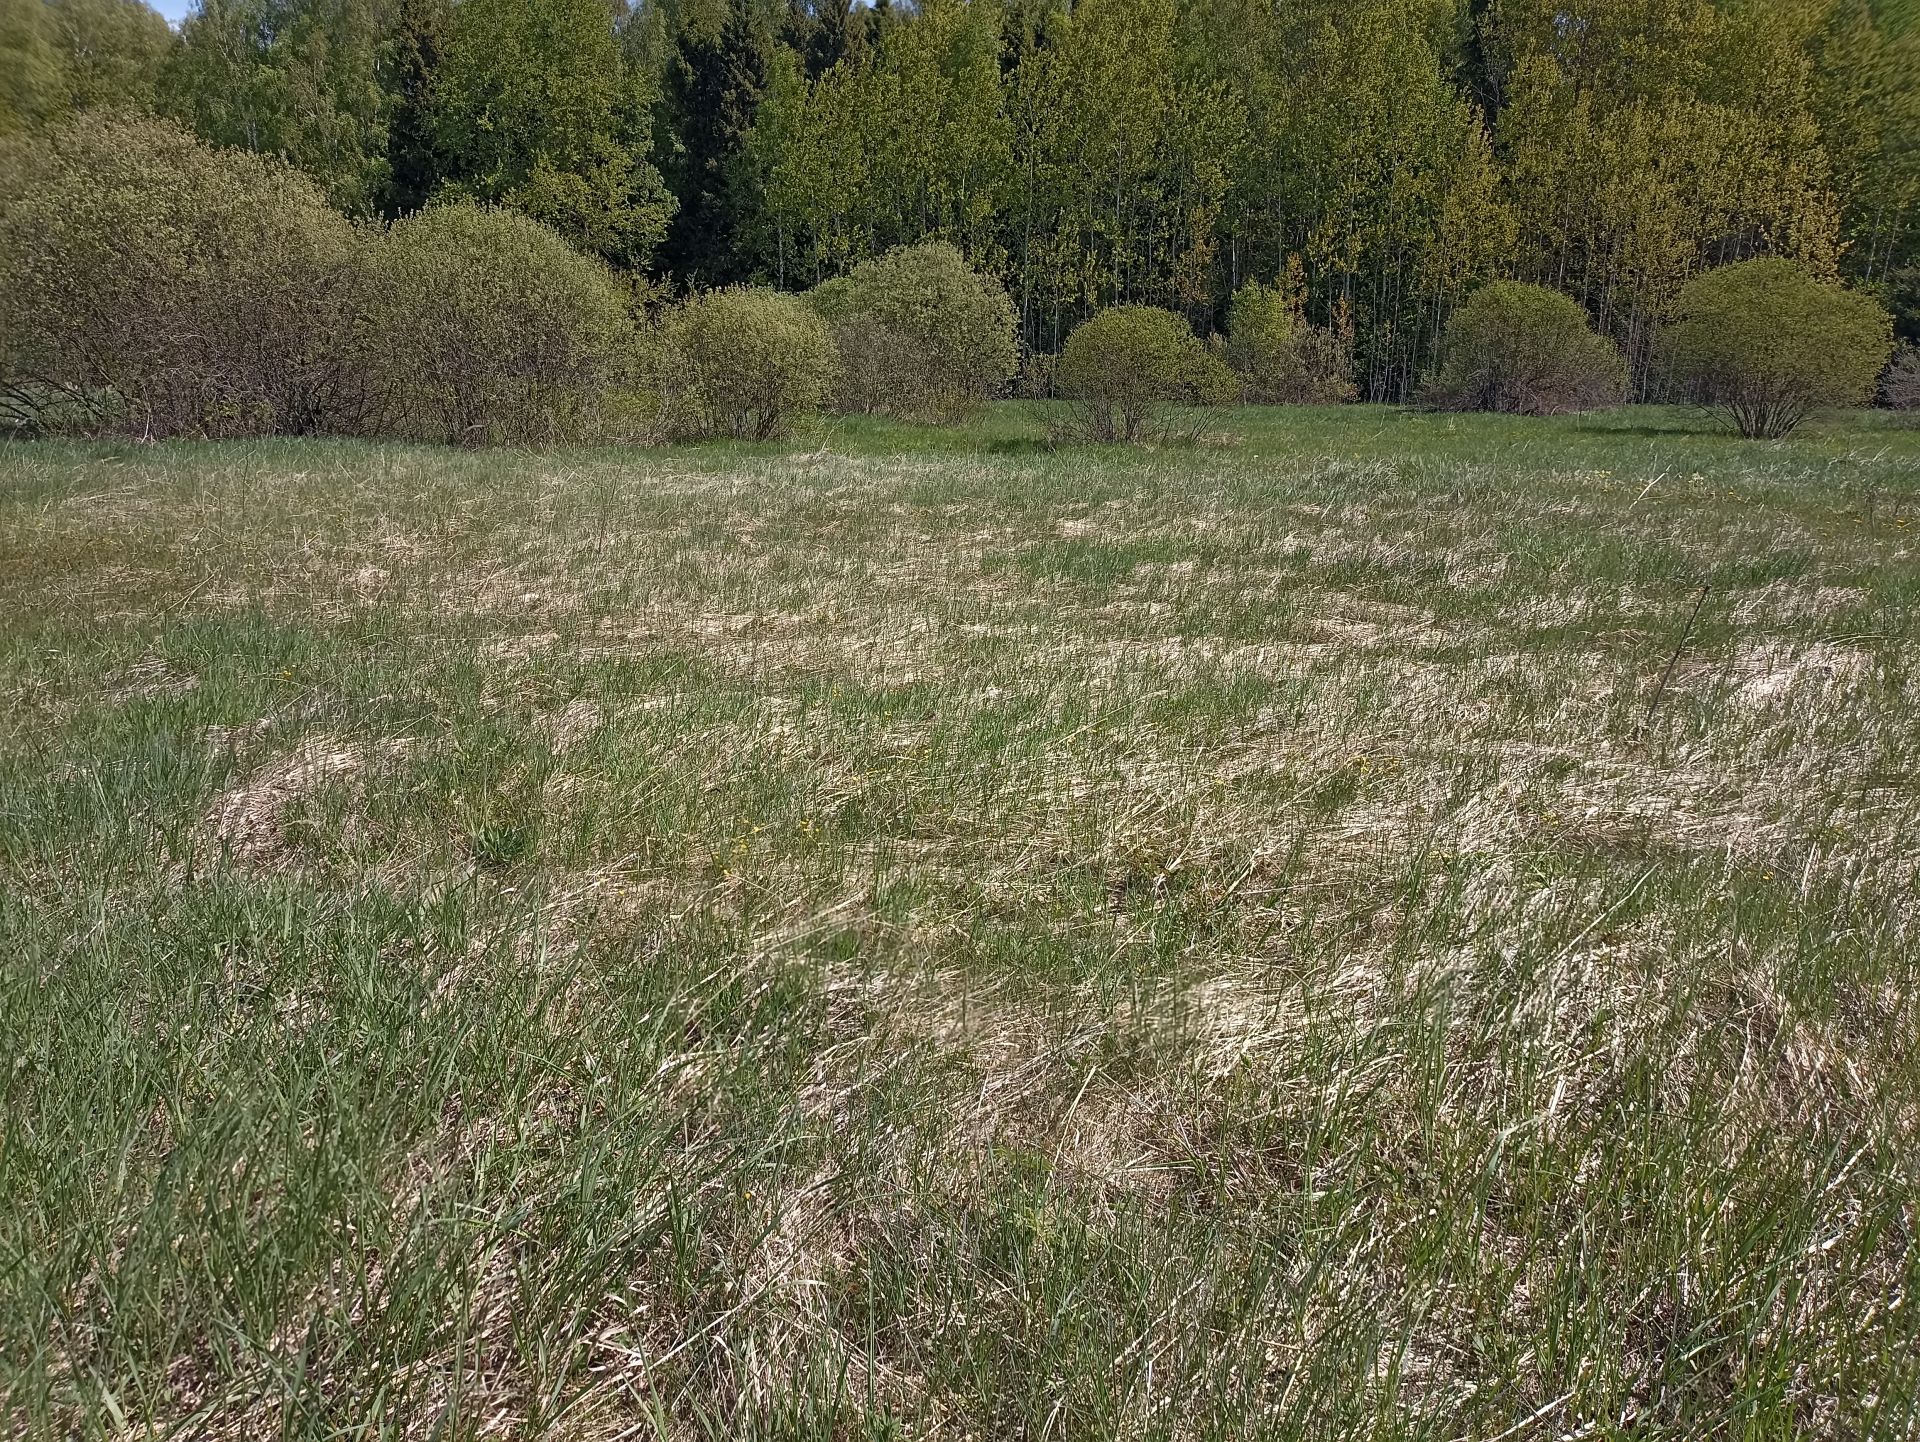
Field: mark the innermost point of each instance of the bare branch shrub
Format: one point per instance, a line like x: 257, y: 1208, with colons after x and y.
x: 487, y: 327
x: 1900, y: 388
x: 1279, y: 355
x: 151, y: 285
x: 921, y: 334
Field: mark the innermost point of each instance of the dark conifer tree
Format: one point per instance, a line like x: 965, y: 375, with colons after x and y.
x: 412, y: 51
x: 713, y: 89
x: 822, y: 33
x: 1476, y: 60
x: 844, y: 35
x: 882, y: 17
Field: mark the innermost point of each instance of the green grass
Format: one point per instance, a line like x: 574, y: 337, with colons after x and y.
x: 913, y: 934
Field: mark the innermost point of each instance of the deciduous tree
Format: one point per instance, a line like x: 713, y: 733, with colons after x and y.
x: 534, y: 106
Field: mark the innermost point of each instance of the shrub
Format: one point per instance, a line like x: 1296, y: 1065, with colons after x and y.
x: 1764, y: 342
x: 1280, y: 357
x: 1524, y: 350
x: 744, y: 363
x: 1128, y: 368
x: 151, y: 283
x: 878, y: 366
x: 1901, y: 388
x: 1037, y: 375
x: 489, y: 327
x: 920, y: 333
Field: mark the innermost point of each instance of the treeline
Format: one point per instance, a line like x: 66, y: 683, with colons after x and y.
x: 153, y: 285
x: 1373, y: 160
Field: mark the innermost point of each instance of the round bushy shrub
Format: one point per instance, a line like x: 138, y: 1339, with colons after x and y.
x: 1524, y: 350
x: 743, y: 362
x: 150, y: 283
x: 490, y: 328
x: 1766, y: 342
x: 1280, y: 357
x: 1129, y: 368
x: 920, y: 333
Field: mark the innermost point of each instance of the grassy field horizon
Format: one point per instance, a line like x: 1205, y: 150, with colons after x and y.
x: 1378, y: 924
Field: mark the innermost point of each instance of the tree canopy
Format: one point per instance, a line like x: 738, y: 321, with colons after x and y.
x: 1380, y: 159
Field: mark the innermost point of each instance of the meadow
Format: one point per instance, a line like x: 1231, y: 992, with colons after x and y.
x: 1384, y: 925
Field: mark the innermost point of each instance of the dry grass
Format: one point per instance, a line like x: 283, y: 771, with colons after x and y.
x: 890, y: 940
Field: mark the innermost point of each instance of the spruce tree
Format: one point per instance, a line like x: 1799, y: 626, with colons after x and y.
x: 713, y: 90
x: 412, y: 53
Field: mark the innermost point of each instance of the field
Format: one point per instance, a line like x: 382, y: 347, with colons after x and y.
x: 1394, y: 927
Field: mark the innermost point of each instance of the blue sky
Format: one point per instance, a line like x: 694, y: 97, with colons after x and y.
x: 172, y: 9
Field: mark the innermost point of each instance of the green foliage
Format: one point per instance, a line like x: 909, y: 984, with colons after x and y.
x: 1126, y: 138
x: 1764, y: 342
x: 1106, y: 152
x: 1131, y: 367
x: 1365, y: 161
x: 1279, y: 355
x: 714, y: 83
x: 1866, y: 94
x: 921, y: 334
x: 58, y: 56
x: 1528, y: 351
x: 1646, y: 139
x: 1139, y: 151
x: 841, y: 176
x: 412, y: 54
x: 32, y: 86
x: 532, y: 104
x: 743, y: 363
x: 158, y: 286
x: 296, y: 79
x: 944, y: 173
x: 111, y: 52
x: 535, y: 106
x: 489, y: 328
